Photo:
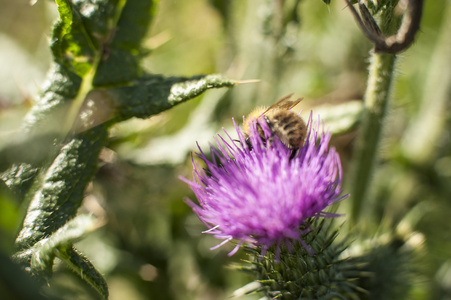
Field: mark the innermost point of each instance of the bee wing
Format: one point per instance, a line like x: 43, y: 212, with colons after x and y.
x: 284, y: 103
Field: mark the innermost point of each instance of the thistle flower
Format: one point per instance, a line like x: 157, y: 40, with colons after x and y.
x: 256, y: 192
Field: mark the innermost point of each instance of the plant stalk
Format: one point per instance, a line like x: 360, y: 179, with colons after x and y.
x: 420, y: 142
x: 365, y: 152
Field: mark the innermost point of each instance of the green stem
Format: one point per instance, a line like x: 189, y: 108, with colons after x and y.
x: 420, y: 142
x: 376, y: 98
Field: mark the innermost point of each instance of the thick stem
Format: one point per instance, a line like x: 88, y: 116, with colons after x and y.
x: 376, y: 98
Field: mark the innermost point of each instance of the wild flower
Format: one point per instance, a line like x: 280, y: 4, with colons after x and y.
x: 255, y: 191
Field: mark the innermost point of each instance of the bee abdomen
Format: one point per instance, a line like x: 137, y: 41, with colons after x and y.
x: 290, y: 128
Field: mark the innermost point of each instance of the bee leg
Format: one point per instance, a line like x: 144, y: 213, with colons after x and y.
x: 262, y: 134
x: 249, y: 144
x: 293, y: 153
x: 247, y: 140
x: 271, y: 138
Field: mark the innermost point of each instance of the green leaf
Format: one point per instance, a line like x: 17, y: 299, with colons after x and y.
x: 149, y: 95
x: 59, y: 193
x: 104, y: 35
x: 16, y: 284
x: 79, y: 39
x: 19, y: 178
x: 120, y: 64
x: 341, y: 118
x: 62, y: 188
x: 49, y: 112
x: 96, y: 80
x: 85, y: 269
x: 61, y: 28
x: 72, y: 45
x: 44, y: 251
x: 152, y: 94
x: 98, y: 40
x: 41, y: 256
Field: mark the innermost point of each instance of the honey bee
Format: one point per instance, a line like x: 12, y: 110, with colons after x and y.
x: 287, y: 125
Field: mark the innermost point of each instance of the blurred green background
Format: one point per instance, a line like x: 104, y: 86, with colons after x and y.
x: 152, y: 246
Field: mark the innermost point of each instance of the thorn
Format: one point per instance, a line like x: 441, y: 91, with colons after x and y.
x: 247, y: 81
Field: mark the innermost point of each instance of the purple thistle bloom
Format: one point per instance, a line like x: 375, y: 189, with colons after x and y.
x: 258, y: 195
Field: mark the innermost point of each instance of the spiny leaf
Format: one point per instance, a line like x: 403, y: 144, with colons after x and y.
x: 61, y: 28
x: 19, y: 178
x: 62, y: 188
x: 68, y: 234
x: 123, y: 47
x: 95, y: 44
x: 84, y: 269
x: 86, y: 37
x: 72, y: 45
x: 41, y: 255
x: 152, y: 94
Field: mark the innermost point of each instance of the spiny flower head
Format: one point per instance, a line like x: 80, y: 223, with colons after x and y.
x: 257, y: 192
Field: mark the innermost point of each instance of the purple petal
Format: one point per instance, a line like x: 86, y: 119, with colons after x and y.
x: 261, y: 196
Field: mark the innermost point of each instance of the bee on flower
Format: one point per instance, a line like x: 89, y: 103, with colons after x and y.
x: 259, y: 192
